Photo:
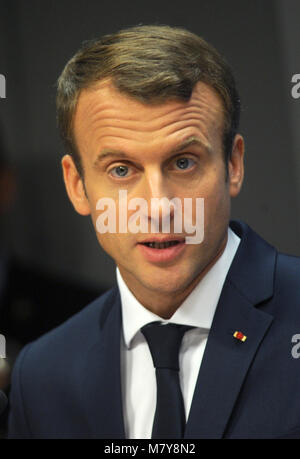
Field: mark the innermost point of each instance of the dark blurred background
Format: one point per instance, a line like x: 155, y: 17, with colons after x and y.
x: 55, y: 261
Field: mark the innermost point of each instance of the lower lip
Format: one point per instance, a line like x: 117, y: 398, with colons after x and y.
x: 162, y: 255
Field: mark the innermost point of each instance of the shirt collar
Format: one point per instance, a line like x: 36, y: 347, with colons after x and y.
x: 198, y: 308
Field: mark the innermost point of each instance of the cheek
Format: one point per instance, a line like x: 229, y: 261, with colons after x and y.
x: 114, y: 243
x: 107, y: 240
x: 111, y: 244
x: 217, y: 204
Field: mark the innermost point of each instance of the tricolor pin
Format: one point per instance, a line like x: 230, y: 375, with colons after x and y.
x: 240, y: 336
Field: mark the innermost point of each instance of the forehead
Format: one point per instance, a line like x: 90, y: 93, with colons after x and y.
x: 105, y: 118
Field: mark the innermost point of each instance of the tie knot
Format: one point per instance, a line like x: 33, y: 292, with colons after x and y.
x: 164, y: 343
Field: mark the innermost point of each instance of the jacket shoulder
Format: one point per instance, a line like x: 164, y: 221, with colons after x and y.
x: 72, y: 337
x: 48, y: 372
x: 287, y: 270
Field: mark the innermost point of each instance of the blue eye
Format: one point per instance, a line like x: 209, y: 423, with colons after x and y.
x: 120, y: 171
x: 184, y: 163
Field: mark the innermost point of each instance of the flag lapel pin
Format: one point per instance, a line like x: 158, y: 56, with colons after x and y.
x: 240, y: 336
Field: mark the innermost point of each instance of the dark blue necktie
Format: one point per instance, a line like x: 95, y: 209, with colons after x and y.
x: 164, y: 343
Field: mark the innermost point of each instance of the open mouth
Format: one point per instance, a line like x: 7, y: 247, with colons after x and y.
x: 162, y: 251
x: 161, y: 245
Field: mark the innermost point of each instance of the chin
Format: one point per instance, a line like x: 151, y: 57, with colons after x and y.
x: 167, y: 283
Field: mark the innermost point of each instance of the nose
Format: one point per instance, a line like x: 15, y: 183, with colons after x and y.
x: 158, y: 192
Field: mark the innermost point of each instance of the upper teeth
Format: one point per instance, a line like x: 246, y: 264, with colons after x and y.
x: 161, y: 245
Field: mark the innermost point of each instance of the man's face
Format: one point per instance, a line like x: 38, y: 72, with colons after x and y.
x: 127, y: 145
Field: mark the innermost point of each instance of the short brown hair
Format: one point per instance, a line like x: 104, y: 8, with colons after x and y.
x: 153, y: 64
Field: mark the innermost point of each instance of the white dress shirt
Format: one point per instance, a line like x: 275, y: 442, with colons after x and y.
x: 137, y: 370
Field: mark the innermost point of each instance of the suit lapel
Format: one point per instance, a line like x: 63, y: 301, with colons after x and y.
x: 102, y: 395
x: 225, y: 364
x: 226, y: 360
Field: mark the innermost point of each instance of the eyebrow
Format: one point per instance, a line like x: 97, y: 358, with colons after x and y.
x: 190, y: 141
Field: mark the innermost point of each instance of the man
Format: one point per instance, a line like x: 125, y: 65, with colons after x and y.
x: 153, y: 112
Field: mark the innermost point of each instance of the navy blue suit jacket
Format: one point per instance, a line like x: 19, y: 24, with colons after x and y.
x: 67, y: 383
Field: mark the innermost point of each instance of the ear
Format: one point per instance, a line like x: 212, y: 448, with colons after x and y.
x: 236, y: 166
x: 74, y: 186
